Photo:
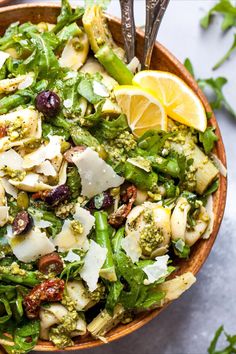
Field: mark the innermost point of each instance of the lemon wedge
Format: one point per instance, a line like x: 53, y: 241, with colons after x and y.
x: 181, y: 103
x: 142, y: 109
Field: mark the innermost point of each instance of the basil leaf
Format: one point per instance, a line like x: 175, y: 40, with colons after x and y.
x: 208, y: 139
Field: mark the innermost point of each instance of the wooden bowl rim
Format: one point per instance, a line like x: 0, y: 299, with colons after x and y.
x: 148, y: 316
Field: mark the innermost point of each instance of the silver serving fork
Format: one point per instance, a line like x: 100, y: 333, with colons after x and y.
x: 155, y: 10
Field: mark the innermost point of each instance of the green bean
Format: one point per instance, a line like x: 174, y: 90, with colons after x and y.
x: 103, y: 239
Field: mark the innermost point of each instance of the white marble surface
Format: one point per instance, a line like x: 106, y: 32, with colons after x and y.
x: 187, y: 326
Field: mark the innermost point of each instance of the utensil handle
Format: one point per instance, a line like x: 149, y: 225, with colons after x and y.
x: 155, y: 10
x: 128, y: 27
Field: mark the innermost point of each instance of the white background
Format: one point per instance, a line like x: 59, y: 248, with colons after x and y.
x: 187, y: 326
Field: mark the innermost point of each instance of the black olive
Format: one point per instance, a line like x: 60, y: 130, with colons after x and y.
x: 57, y: 195
x: 48, y: 103
x: 22, y: 223
x: 101, y: 201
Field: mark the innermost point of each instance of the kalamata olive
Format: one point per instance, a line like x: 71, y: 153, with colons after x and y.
x: 22, y: 223
x: 101, y: 201
x: 48, y: 103
x: 57, y: 195
x: 69, y: 154
x: 50, y: 263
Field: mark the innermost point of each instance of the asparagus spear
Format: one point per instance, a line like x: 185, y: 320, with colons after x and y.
x: 9, y: 102
x: 82, y: 136
x: 114, y: 66
x: 169, y: 166
x: 103, y: 239
x: 27, y: 278
x: 116, y: 241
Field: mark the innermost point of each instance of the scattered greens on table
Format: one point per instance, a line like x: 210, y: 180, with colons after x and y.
x: 228, y: 10
x: 92, y: 219
x: 230, y: 347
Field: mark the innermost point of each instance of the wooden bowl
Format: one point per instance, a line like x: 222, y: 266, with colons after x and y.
x: 162, y: 59
x: 4, y: 2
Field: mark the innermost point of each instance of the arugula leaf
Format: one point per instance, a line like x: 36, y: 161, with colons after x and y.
x: 188, y: 65
x: 227, y: 55
x: 180, y: 249
x: 229, y: 349
x: 72, y: 270
x: 73, y: 181
x: 85, y: 89
x: 42, y: 59
x: 49, y: 129
x: 216, y: 85
x: 213, y: 188
x: 67, y: 15
x: 225, y: 8
x: 208, y: 139
x: 56, y: 226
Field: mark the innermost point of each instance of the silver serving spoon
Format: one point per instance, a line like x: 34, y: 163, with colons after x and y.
x: 155, y: 10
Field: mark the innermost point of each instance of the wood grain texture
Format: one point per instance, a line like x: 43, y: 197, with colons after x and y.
x: 162, y: 59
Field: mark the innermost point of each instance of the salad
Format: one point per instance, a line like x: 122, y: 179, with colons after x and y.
x: 106, y: 180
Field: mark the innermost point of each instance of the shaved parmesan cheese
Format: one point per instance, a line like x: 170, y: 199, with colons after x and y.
x: 30, y: 247
x: 96, y: 175
x: 67, y: 240
x: 157, y: 270
x: 46, y: 168
x: 10, y: 159
x: 8, y: 187
x: 219, y: 165
x: 99, y: 89
x: 72, y: 257
x: 44, y: 152
x: 3, y: 58
x: 4, y: 215
x: 40, y: 223
x: 93, y: 262
x: 29, y: 79
x: 131, y: 246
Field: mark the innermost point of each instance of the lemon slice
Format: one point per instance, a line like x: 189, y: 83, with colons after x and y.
x: 142, y: 109
x: 181, y: 103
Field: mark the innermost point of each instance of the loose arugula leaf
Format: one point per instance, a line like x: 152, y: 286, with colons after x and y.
x: 208, y: 139
x: 225, y: 8
x: 229, y: 349
x: 216, y: 85
x: 227, y: 55
x: 188, y: 65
